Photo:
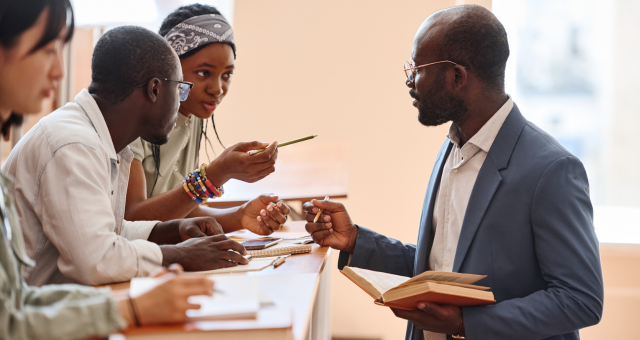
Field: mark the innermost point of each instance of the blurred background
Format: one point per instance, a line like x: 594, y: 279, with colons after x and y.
x: 334, y: 68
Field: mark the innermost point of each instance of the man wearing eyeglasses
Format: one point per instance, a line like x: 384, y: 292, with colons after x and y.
x: 71, y: 172
x: 504, y: 200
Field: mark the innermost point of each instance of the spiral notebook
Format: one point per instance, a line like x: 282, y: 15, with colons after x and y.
x: 281, y: 249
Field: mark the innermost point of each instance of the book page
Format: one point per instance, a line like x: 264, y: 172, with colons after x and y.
x: 379, y: 280
x: 444, y: 277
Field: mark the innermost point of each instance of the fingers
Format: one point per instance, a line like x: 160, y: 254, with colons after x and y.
x: 406, y: 314
x: 232, y: 256
x: 269, y: 220
x: 218, y: 238
x: 275, y: 214
x: 432, y: 309
x: 283, y: 208
x: 266, y: 155
x: 231, y: 245
x: 267, y: 198
x: 212, y: 227
x: 247, y: 146
x: 323, y: 217
x: 320, y: 236
x: 327, y: 205
x: 316, y: 227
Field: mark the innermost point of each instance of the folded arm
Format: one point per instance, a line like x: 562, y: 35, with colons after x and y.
x: 74, y: 207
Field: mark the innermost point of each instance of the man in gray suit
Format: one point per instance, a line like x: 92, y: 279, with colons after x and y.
x: 504, y: 199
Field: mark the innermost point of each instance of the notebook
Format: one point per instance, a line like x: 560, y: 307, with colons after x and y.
x: 281, y: 249
x: 236, y: 297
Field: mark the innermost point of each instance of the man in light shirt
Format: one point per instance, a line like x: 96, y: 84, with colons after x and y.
x: 504, y: 200
x: 71, y: 172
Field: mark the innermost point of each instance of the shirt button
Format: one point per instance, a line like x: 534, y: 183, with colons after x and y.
x: 175, y: 168
x: 186, y: 123
x: 445, y: 262
x: 447, y: 217
x: 455, y: 171
x: 111, y: 192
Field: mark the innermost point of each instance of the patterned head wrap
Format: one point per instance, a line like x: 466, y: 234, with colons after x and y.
x: 199, y: 31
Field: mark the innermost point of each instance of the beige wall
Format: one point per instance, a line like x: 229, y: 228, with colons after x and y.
x: 334, y: 68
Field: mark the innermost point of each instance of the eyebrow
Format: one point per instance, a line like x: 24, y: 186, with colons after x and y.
x: 211, y: 66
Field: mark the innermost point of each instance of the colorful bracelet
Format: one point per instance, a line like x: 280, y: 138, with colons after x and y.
x: 187, y: 187
x: 216, y: 191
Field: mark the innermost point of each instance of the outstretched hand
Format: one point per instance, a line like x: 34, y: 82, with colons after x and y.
x: 265, y: 214
x: 236, y: 162
x: 334, y: 227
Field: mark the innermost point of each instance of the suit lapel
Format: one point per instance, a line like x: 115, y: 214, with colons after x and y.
x: 424, y: 239
x: 488, y: 181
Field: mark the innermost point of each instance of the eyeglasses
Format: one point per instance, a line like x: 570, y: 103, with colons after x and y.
x: 184, y: 87
x: 410, y: 67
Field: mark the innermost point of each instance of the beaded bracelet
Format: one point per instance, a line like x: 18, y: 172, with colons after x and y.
x: 185, y: 185
x: 216, y: 191
x: 198, y: 184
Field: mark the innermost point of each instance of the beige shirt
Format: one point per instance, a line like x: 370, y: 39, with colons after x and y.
x: 178, y: 156
x: 70, y: 190
x: 458, y: 178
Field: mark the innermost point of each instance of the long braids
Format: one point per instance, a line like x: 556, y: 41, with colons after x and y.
x: 155, y: 149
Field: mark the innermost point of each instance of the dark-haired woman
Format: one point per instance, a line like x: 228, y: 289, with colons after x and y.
x: 32, y: 34
x: 159, y: 183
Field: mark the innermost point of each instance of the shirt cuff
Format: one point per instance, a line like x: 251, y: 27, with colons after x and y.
x: 149, y: 257
x: 138, y: 230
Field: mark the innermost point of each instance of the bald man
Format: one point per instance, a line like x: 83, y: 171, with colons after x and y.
x: 504, y: 200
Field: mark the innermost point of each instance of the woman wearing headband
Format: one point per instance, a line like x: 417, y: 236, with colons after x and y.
x: 167, y: 182
x: 32, y: 34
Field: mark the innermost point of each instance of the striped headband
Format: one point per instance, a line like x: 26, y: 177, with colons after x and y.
x: 199, y: 31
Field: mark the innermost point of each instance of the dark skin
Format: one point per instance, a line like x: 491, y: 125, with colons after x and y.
x: 150, y: 112
x: 334, y: 227
x: 210, y: 71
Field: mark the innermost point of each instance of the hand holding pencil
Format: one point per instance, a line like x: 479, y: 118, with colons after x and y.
x: 333, y: 226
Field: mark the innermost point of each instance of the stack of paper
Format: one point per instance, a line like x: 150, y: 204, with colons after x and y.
x: 235, y: 297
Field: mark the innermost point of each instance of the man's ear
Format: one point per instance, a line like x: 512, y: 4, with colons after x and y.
x: 153, y: 89
x: 460, y: 77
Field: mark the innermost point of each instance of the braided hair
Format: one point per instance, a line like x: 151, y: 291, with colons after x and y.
x: 179, y: 15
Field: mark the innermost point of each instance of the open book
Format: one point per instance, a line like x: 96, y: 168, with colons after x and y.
x: 404, y: 293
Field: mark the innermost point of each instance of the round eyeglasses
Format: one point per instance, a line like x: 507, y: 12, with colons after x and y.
x: 184, y: 87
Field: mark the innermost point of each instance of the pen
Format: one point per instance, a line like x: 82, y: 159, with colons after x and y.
x: 253, y: 152
x: 319, y: 212
x: 278, y: 261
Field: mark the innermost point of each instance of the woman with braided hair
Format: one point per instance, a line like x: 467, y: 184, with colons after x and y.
x: 167, y: 181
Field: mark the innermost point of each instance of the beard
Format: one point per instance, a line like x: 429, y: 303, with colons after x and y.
x: 156, y: 140
x: 438, y: 106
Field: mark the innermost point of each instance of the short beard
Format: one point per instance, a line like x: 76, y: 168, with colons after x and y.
x: 438, y: 106
x: 156, y: 140
x: 14, y: 120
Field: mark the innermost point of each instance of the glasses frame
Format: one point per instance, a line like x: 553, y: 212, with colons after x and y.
x: 177, y: 81
x: 410, y: 68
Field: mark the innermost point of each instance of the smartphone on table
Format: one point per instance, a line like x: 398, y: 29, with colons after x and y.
x: 260, y: 243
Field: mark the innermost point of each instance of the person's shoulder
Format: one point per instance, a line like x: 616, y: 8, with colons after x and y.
x: 68, y: 125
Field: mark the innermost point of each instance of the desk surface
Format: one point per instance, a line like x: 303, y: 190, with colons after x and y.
x: 303, y: 172
x: 292, y: 285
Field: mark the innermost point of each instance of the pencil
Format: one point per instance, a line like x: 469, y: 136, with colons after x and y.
x: 319, y: 211
x: 253, y: 152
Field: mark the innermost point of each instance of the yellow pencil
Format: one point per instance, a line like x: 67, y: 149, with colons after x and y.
x: 253, y: 152
x: 319, y: 212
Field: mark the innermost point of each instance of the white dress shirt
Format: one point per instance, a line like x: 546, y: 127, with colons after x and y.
x: 70, y: 190
x: 458, y: 178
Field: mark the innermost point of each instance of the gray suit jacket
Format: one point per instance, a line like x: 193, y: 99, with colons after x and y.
x: 528, y: 226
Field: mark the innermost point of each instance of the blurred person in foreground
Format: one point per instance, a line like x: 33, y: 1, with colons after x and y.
x: 204, y: 42
x: 504, y: 199
x: 32, y: 34
x: 71, y: 172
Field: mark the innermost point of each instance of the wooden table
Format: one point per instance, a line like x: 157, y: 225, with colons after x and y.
x: 300, y: 285
x: 304, y: 171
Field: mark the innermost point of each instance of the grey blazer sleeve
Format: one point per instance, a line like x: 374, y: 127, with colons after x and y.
x: 567, y: 252
x: 380, y: 253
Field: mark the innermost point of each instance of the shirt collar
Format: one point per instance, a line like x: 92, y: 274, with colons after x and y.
x: 90, y: 107
x: 487, y: 134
